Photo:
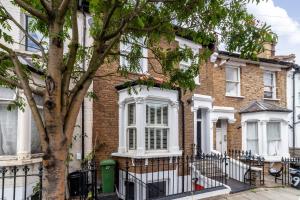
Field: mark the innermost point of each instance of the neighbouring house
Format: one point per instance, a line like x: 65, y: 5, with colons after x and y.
x: 19, y: 138
x: 293, y: 94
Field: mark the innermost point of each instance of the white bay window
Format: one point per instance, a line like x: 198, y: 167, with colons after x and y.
x: 252, y: 137
x: 18, y: 133
x: 148, y: 123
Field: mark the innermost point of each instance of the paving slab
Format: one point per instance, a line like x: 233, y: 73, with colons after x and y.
x: 276, y: 193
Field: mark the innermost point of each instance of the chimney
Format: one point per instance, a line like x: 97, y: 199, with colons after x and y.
x: 268, y: 51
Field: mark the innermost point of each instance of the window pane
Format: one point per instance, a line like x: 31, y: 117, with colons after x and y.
x: 147, y: 138
x: 268, y: 79
x: 232, y: 88
x: 199, y: 114
x: 158, y: 115
x: 165, y: 115
x: 7, y: 93
x: 30, y: 45
x: 132, y: 138
x: 152, y: 115
x: 252, y: 137
x: 165, y: 138
x: 152, y: 138
x: 35, y: 137
x: 158, y: 138
x: 8, y: 131
x: 231, y: 74
x: 273, y: 137
x: 131, y: 114
x: 273, y: 131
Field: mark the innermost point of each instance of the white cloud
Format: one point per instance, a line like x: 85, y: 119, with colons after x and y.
x: 287, y: 29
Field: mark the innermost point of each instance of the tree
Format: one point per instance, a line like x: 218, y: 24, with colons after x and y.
x: 115, y: 21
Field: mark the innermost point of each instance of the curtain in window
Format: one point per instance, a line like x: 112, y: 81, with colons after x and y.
x: 273, y: 137
x: 252, y: 137
x: 35, y: 137
x: 8, y: 131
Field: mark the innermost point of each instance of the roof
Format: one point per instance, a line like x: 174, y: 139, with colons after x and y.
x: 265, y: 60
x: 262, y: 106
x: 144, y: 80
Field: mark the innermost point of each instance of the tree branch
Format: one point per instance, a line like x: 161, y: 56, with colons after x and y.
x: 47, y: 6
x: 64, y: 7
x: 28, y: 93
x: 71, y: 58
x: 33, y: 11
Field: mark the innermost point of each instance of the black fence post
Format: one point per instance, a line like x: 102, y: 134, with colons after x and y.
x: 225, y: 158
x: 25, y: 169
x: 41, y: 181
x: 4, y: 170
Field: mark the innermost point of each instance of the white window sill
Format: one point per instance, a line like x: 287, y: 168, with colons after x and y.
x: 8, y: 161
x: 147, y: 155
x: 232, y: 96
x: 269, y: 99
x: 274, y: 158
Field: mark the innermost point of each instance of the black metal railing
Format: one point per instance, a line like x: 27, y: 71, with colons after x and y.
x: 83, y: 183
x: 246, y: 167
x: 21, y: 181
x: 171, y: 176
x: 289, y: 172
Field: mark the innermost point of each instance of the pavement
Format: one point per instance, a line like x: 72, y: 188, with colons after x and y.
x: 275, y: 193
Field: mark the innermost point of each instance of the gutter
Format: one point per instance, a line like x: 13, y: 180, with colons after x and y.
x: 183, y: 131
x: 254, y: 62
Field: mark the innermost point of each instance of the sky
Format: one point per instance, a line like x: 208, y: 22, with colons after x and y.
x: 284, y: 18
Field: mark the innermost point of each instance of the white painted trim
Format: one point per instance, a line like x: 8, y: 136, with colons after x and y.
x: 269, y: 68
x: 188, y: 43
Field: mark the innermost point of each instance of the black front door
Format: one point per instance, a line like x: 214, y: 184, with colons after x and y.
x: 199, y: 131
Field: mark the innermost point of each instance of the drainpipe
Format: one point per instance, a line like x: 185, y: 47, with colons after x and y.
x: 181, y: 102
x: 83, y: 67
x: 297, y: 70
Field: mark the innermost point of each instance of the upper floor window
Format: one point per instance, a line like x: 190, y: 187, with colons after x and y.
x: 269, y: 85
x: 232, y: 81
x: 185, y: 64
x: 126, y: 48
x: 29, y: 44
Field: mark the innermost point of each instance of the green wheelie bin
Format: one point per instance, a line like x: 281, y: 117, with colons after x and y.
x: 108, y: 175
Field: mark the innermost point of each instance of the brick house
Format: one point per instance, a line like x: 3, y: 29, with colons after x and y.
x: 228, y: 91
x: 237, y: 104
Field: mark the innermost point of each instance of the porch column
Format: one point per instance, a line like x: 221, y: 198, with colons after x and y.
x: 244, y: 136
x: 173, y: 117
x: 122, y: 130
x: 264, y: 140
x: 24, y: 136
x: 140, y: 120
x: 284, y: 139
x: 210, y: 128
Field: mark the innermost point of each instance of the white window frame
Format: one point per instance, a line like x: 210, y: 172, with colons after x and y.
x: 184, y: 43
x: 274, y: 87
x: 257, y: 140
x: 238, y: 82
x: 156, y: 127
x: 146, y: 96
x: 125, y: 49
x: 131, y: 126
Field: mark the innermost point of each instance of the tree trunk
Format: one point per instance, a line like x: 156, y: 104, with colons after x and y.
x: 54, y: 176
